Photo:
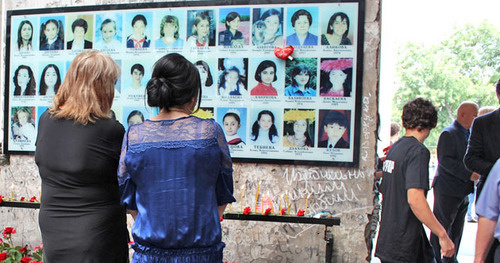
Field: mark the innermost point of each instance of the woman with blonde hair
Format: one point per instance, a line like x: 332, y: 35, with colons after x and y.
x: 78, y: 148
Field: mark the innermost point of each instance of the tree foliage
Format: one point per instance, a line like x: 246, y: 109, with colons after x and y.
x: 464, y: 67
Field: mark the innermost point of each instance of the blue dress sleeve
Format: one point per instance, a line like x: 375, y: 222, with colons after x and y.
x: 126, y: 185
x: 224, y: 187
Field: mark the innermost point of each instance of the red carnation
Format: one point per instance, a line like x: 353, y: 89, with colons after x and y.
x: 247, y: 210
x: 25, y: 260
x: 282, y: 211
x: 22, y: 198
x: 300, y: 212
x: 8, y: 231
x: 221, y: 218
x: 268, y: 211
x: 1, y: 241
x: 33, y: 199
x: 1, y: 199
x: 23, y: 250
x: 3, y: 256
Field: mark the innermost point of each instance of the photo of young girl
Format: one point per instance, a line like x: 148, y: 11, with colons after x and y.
x: 52, y: 33
x: 264, y: 131
x: 267, y: 26
x: 139, y: 32
x: 109, y: 32
x: 50, y: 79
x: 233, y: 76
x: 172, y: 29
x: 202, y: 24
x: 334, y: 129
x: 207, y: 80
x: 298, y: 127
x: 267, y: 79
x: 336, y: 77
x: 233, y: 120
x: 25, y: 33
x: 23, y: 125
x: 234, y: 27
x: 24, y: 81
x: 134, y: 115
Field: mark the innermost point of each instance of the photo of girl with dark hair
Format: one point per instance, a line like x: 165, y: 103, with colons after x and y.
x: 231, y: 124
x: 265, y: 75
x: 25, y: 36
x: 268, y: 26
x: 24, y: 81
x: 264, y: 131
x: 202, y: 28
x: 337, y: 31
x: 234, y: 27
x: 232, y: 80
x: 52, y: 35
x: 301, y: 78
x: 207, y: 81
x: 138, y: 38
x: 336, y: 77
x: 79, y: 29
x: 50, y: 80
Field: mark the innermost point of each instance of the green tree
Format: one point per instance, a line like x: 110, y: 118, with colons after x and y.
x: 466, y: 66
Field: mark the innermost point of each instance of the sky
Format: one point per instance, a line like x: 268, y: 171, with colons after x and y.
x: 426, y: 22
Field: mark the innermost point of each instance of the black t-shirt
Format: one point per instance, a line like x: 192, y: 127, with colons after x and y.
x: 402, y: 237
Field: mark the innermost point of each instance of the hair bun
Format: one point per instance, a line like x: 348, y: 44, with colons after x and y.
x: 158, y: 91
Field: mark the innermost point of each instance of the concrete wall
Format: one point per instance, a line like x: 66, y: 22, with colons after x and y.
x: 347, y: 191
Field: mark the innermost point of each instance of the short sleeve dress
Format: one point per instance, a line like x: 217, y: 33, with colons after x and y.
x: 176, y: 173
x: 81, y: 219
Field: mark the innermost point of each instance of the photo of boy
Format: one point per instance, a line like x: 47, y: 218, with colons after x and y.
x: 334, y: 130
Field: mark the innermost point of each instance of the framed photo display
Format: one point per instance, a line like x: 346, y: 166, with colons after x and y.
x: 302, y: 110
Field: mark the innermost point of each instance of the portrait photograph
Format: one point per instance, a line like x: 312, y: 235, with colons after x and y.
x: 232, y: 78
x: 234, y: 27
x: 24, y: 79
x: 338, y: 25
x: 302, y: 26
x: 51, y: 74
x: 208, y: 76
x: 52, y: 33
x: 23, y: 127
x: 138, y: 29
x: 334, y: 129
x: 298, y: 127
x: 201, y: 25
x: 234, y: 123
x: 267, y: 27
x: 134, y: 115
x: 108, y: 31
x: 135, y: 76
x: 169, y: 28
x: 266, y: 76
x: 265, y: 127
x: 301, y: 77
x: 336, y: 77
x: 79, y: 32
x: 25, y: 34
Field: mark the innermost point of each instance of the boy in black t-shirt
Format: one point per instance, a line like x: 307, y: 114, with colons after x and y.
x: 404, y: 187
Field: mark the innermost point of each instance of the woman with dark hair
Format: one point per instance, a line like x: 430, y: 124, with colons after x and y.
x: 169, y: 33
x: 206, y: 77
x: 52, y: 35
x: 231, y: 36
x: 50, y: 80
x: 77, y: 153
x: 178, y: 198
x: 265, y: 75
x: 138, y: 38
x: 25, y: 36
x: 272, y: 34
x: 200, y: 33
x: 336, y: 77
x: 24, y: 81
x: 264, y: 131
x: 135, y: 117
x: 301, y: 22
x: 301, y: 82
x: 79, y: 28
x: 337, y: 31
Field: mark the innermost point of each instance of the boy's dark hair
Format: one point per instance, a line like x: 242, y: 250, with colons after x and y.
x: 333, y: 117
x: 419, y: 114
x: 395, y: 128
x: 141, y: 18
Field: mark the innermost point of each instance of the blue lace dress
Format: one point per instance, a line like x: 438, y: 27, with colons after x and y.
x: 175, y: 173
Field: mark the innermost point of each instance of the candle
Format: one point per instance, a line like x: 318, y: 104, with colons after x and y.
x: 241, y: 197
x: 229, y: 207
x: 12, y: 192
x: 307, y: 202
x: 287, y: 204
x: 280, y: 202
x: 257, y: 197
